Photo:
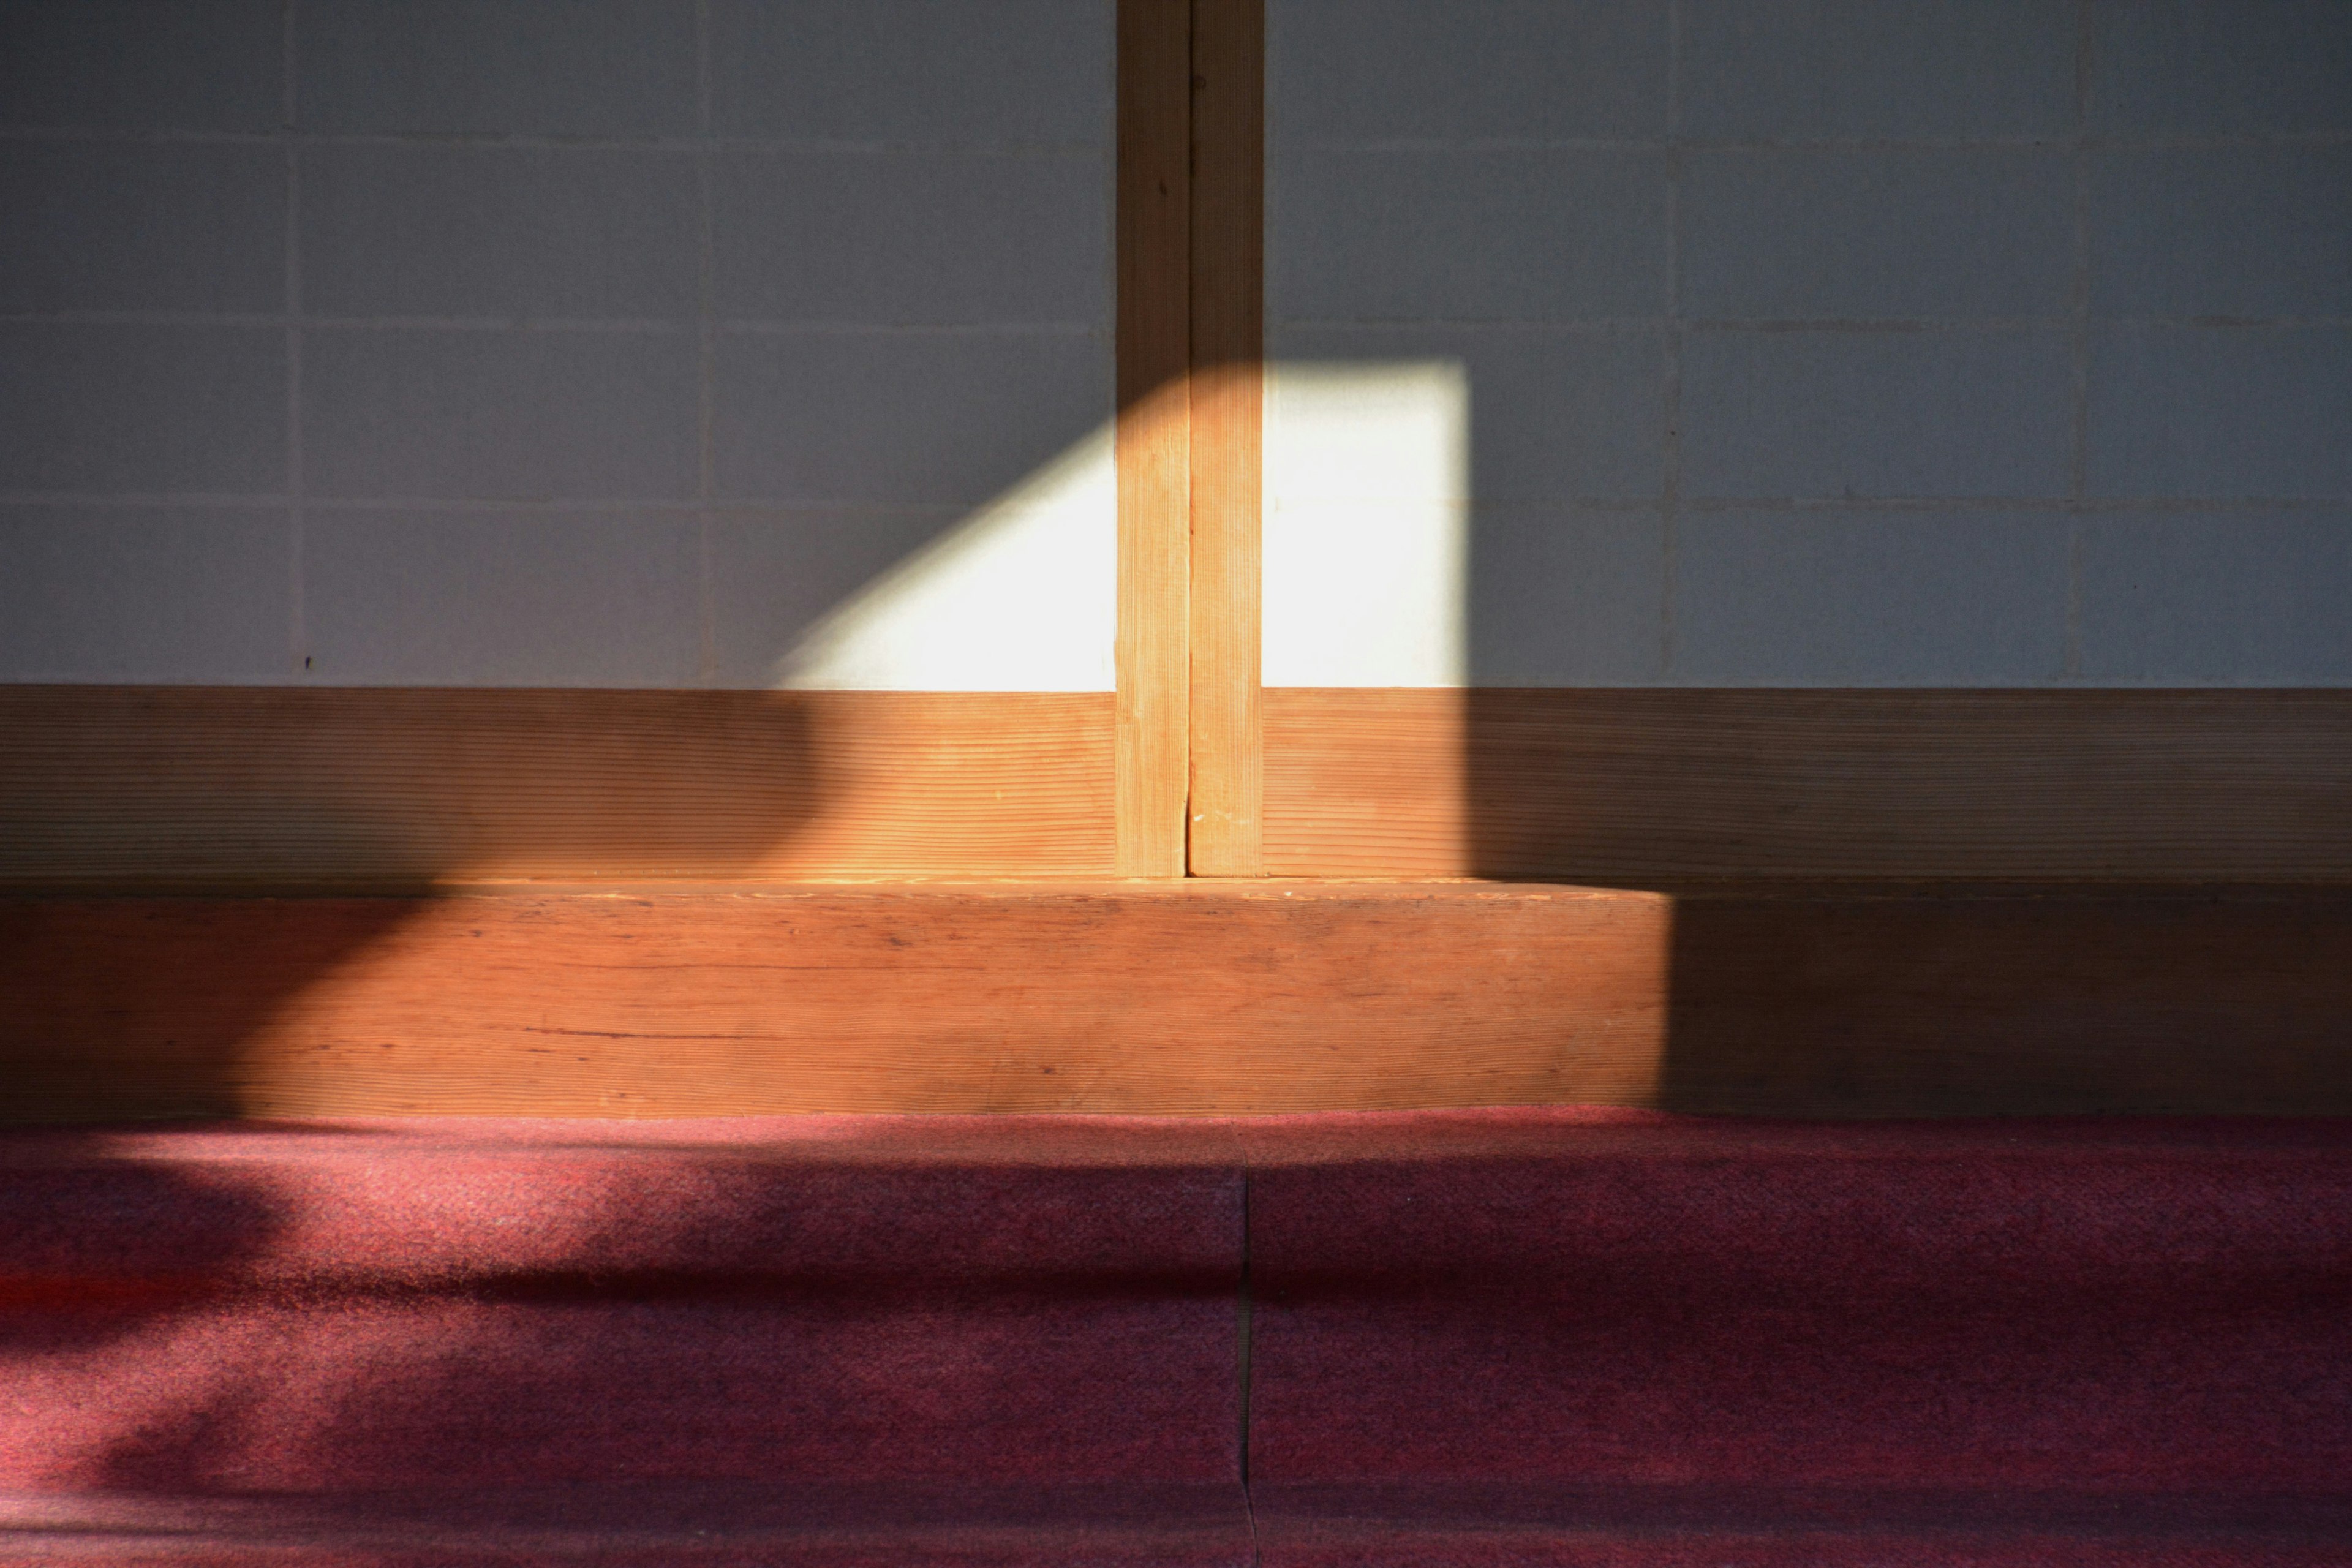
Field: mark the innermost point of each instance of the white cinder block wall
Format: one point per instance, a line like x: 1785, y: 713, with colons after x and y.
x: 1838, y: 342
x: 500, y: 342
x: 642, y: 341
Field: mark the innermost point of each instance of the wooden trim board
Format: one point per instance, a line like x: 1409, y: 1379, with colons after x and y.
x: 1228, y: 291
x: 1176, y: 998
x: 274, y: 785
x: 1154, y: 432
x: 138, y: 785
x: 1650, y: 788
x: 1190, y: 237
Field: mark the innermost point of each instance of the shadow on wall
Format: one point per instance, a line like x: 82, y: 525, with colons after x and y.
x: 1375, y: 557
x: 368, y: 804
x: 398, y: 795
x: 1420, y: 535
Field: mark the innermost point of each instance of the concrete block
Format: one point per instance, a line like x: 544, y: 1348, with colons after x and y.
x: 132, y: 65
x: 2191, y: 67
x: 477, y: 231
x: 516, y: 68
x: 141, y: 410
x: 1911, y: 413
x: 2235, y: 231
x: 2217, y: 598
x: 1379, y: 71
x: 2222, y: 411
x: 1553, y: 416
x: 111, y: 226
x: 1870, y: 598
x: 143, y: 594
x: 1862, y: 69
x: 1818, y: 235
x: 914, y: 70
x: 900, y: 417
x: 500, y: 416
x: 1497, y: 236
x: 923, y: 238
x: 502, y: 599
x: 1561, y: 597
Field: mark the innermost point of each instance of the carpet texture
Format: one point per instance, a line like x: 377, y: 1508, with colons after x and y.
x: 1563, y: 1337
x: 1618, y: 1338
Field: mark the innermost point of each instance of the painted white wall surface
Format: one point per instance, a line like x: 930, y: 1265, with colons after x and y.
x: 1835, y: 343
x: 1366, y: 552
x: 495, y: 342
x: 1820, y: 343
x: 1023, y: 596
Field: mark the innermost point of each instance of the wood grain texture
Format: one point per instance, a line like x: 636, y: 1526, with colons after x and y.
x: 2056, y: 1001
x: 277, y: 785
x: 1176, y: 998
x: 1153, y: 439
x: 1117, y: 998
x: 1651, y: 787
x: 1228, y: 291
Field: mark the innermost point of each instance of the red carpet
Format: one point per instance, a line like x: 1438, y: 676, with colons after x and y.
x: 1586, y: 1338
x: 1488, y: 1339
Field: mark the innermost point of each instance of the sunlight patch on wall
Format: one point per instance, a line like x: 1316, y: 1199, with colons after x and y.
x: 1367, y: 530
x: 1366, y: 557
x: 1021, y: 597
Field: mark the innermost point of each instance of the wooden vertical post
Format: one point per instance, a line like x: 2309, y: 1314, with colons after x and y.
x: 1153, y: 234
x: 1228, y: 268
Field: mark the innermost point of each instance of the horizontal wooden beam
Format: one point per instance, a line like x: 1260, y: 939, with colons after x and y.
x: 1177, y: 998
x: 1650, y: 787
x: 271, y: 785
x: 176, y: 785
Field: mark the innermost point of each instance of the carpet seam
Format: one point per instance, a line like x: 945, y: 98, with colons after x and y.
x: 1243, y: 1315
